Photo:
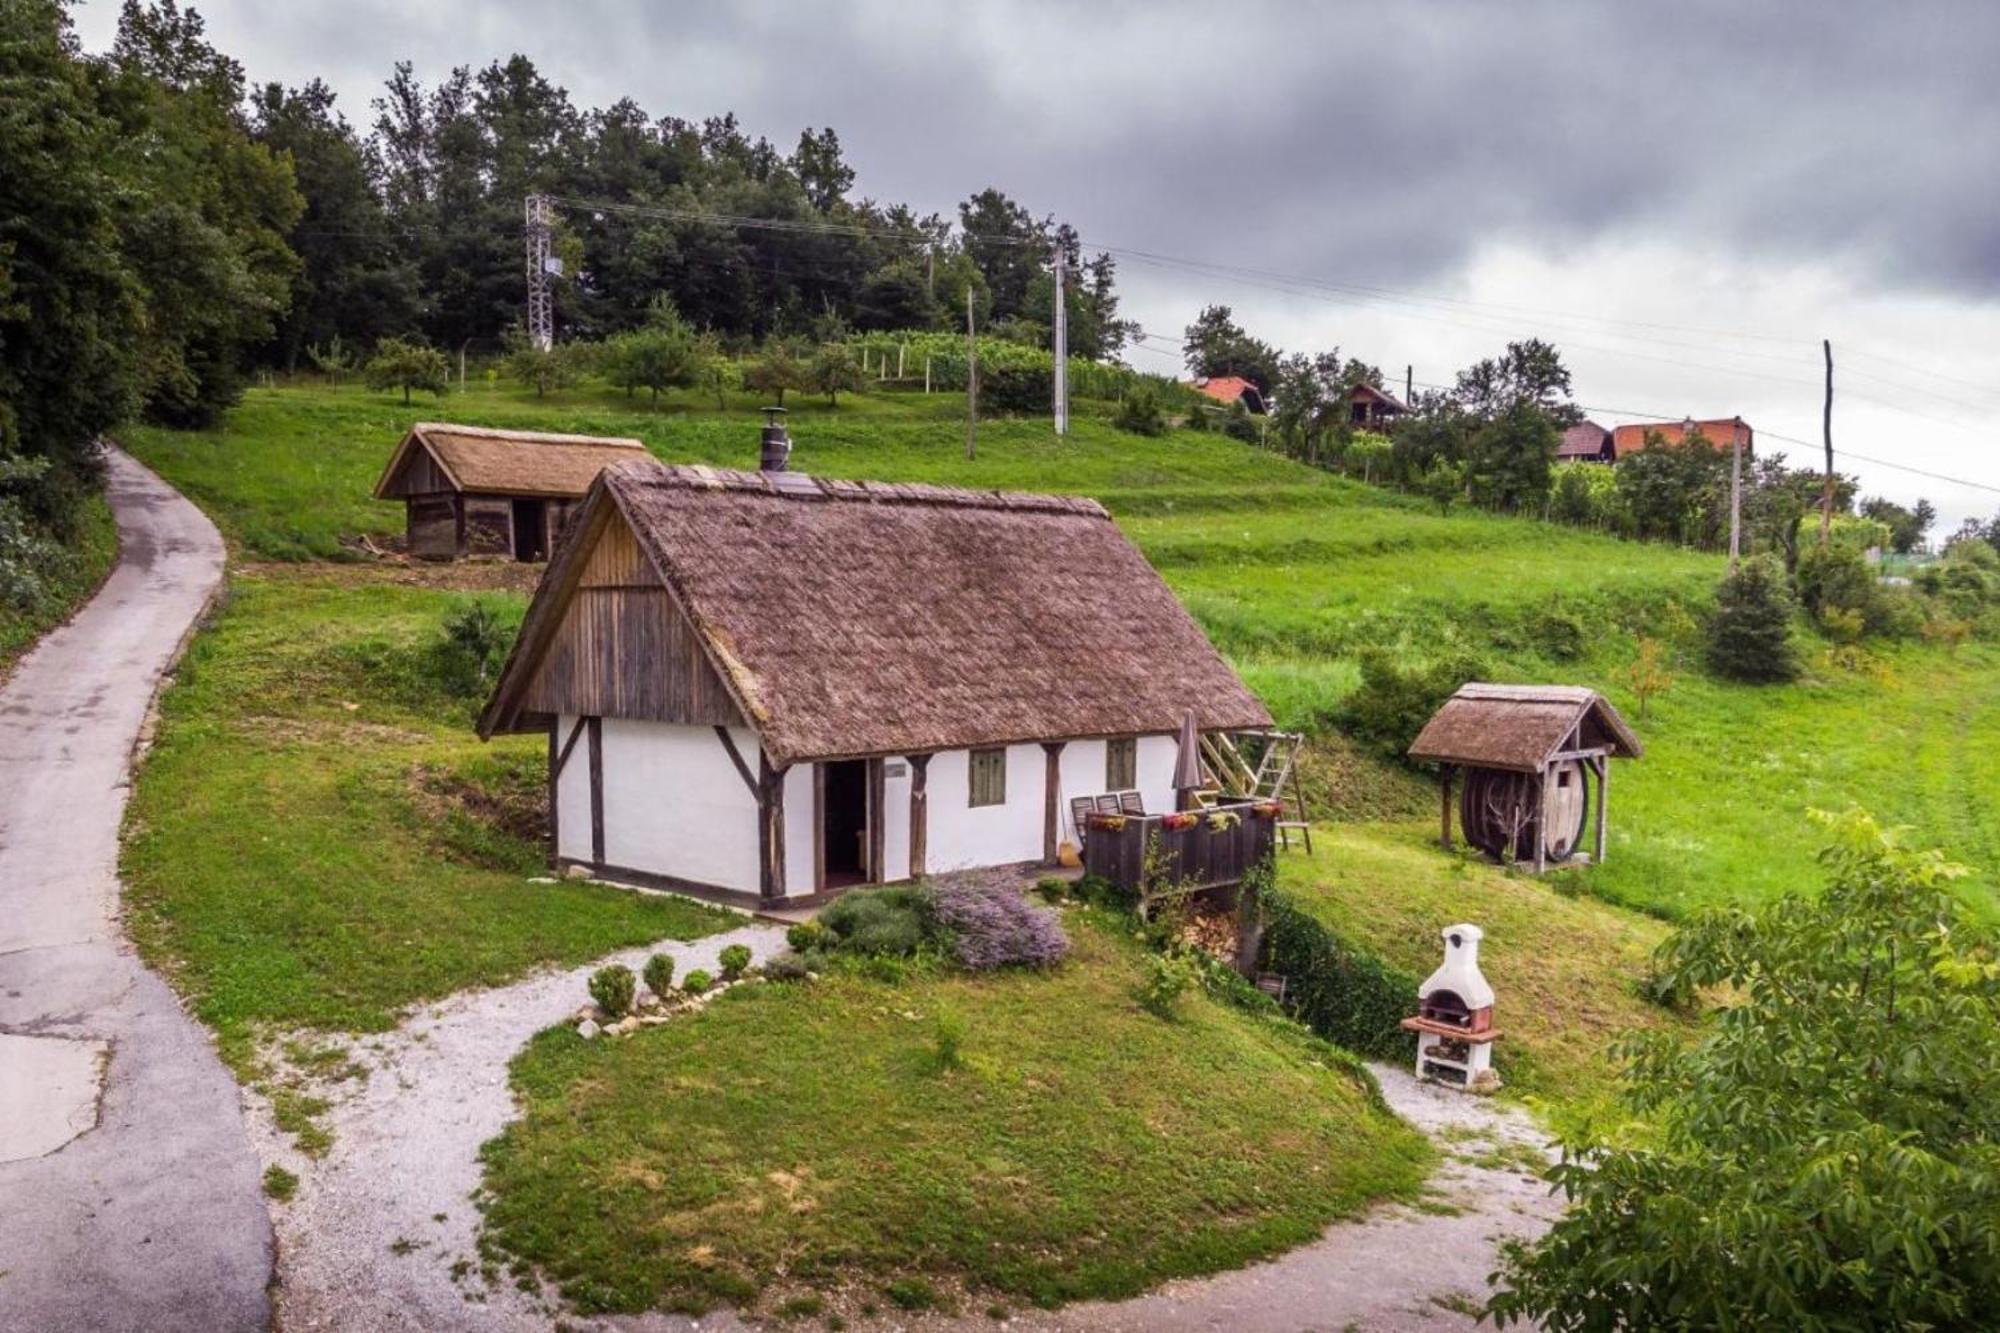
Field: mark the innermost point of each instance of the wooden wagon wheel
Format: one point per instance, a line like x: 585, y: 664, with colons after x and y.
x: 1568, y: 806
x: 1501, y: 811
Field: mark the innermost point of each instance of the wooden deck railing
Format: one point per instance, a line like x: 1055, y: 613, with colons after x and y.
x: 1212, y: 851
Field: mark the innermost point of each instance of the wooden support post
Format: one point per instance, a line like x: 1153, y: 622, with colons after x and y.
x: 771, y: 829
x: 1603, y: 786
x: 1444, y: 806
x: 878, y: 860
x: 597, y: 791
x: 1051, y: 800
x: 1542, y: 822
x: 819, y: 828
x: 919, y: 813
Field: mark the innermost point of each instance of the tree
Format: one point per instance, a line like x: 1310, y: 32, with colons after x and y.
x: 1216, y: 345
x: 1906, y: 526
x: 1529, y: 373
x: 1826, y: 1156
x: 774, y: 372
x: 1139, y: 412
x: 1434, y: 432
x: 1009, y: 247
x: 333, y: 360
x: 1508, y: 458
x: 542, y: 368
x: 71, y: 308
x: 403, y: 364
x: 1647, y: 674
x: 897, y: 296
x: 662, y: 355
x: 1749, y: 633
x: 1444, y: 483
x: 833, y: 370
x: 714, y: 371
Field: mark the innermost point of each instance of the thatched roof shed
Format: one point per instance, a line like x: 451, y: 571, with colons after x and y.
x: 843, y: 619
x: 1521, y: 727
x: 487, y: 461
x: 475, y: 490
x: 1531, y: 754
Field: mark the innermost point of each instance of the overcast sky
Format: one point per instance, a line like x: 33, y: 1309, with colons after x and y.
x: 1686, y: 197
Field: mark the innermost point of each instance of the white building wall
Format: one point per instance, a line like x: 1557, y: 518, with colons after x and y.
x: 896, y: 816
x: 798, y: 827
x: 674, y: 804
x: 1157, y: 755
x: 573, y: 794
x: 960, y: 837
x: 1082, y: 775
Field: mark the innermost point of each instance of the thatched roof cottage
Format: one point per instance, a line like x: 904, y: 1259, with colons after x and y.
x: 764, y: 687
x: 474, y: 490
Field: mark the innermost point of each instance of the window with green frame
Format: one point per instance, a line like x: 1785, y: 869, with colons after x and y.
x: 989, y: 777
x: 1121, y: 764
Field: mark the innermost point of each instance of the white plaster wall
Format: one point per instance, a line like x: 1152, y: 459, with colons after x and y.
x: 1156, y: 771
x: 798, y: 828
x: 1082, y: 775
x: 896, y: 816
x: 674, y: 804
x: 961, y: 837
x: 573, y: 794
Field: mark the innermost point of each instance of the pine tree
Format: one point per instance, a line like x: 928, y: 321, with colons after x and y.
x: 1749, y: 636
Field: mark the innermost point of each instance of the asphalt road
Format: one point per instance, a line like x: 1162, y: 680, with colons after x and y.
x: 148, y: 1214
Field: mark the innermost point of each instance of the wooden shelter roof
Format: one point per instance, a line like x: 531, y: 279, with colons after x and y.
x: 1521, y: 727
x: 488, y: 461
x: 852, y: 618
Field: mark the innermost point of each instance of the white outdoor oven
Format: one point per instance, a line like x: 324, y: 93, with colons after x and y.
x: 1454, y: 1022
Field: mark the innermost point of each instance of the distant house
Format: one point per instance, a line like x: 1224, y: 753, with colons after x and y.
x: 1230, y: 390
x: 1371, y: 409
x: 1721, y: 433
x: 764, y: 687
x: 473, y: 490
x: 1585, y: 442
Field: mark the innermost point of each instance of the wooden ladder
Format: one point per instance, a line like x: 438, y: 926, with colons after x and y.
x: 1276, y: 768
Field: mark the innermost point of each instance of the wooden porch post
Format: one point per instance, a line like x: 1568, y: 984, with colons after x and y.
x: 1444, y: 806
x: 1051, y: 799
x: 771, y: 829
x: 1603, y: 786
x: 1542, y: 821
x: 919, y: 813
x: 597, y: 791
x: 878, y: 858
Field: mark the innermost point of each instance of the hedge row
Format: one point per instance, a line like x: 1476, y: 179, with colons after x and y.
x: 1344, y: 995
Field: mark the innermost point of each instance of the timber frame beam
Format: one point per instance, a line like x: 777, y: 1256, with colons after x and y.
x: 770, y: 829
x: 1051, y: 799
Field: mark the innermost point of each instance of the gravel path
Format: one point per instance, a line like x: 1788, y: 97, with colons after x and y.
x: 371, y: 1237
x: 132, y: 1199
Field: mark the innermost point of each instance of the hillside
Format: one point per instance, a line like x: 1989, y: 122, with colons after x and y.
x: 1292, y: 572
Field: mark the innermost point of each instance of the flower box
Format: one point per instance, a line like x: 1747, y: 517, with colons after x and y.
x: 1107, y: 823
x: 1179, y: 820
x: 1268, y: 809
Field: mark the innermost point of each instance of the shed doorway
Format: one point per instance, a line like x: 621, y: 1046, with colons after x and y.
x: 844, y: 822
x: 531, y: 530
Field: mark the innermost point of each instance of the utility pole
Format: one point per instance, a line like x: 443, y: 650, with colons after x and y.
x: 1060, y: 382
x: 1735, y: 494
x: 1409, y: 385
x: 539, y: 217
x: 1826, y: 429
x: 971, y: 377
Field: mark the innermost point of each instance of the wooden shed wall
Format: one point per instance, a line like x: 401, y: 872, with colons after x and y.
x: 625, y: 650
x: 419, y: 475
x: 489, y: 525
x: 432, y: 526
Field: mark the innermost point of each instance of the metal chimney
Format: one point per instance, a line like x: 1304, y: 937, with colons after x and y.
x: 777, y: 446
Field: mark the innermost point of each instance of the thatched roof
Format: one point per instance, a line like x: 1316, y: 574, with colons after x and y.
x: 1520, y: 727
x: 486, y: 461
x: 861, y: 618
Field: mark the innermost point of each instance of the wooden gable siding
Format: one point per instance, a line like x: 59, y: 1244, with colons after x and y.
x: 623, y: 648
x: 419, y: 475
x: 432, y: 526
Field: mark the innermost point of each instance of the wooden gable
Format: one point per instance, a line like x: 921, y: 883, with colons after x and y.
x: 414, y: 470
x: 623, y: 648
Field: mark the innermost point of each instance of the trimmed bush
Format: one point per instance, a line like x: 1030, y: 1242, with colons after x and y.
x: 735, y: 960
x: 806, y: 936
x: 995, y: 926
x: 1052, y: 888
x: 1750, y: 634
x: 659, y: 975
x: 1348, y: 997
x: 894, y: 921
x: 697, y: 981
x: 789, y: 967
x: 613, y: 988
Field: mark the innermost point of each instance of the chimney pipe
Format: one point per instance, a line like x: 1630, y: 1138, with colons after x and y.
x: 776, y: 452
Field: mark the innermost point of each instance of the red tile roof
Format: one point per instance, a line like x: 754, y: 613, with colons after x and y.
x: 1719, y: 432
x: 1226, y: 388
x: 1586, y: 439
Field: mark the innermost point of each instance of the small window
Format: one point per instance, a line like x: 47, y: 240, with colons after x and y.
x: 989, y: 777
x: 1121, y: 764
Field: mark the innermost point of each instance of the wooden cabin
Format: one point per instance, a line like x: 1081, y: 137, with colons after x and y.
x: 765, y: 687
x: 1370, y: 408
x: 474, y: 490
x: 1532, y: 757
x: 1585, y: 442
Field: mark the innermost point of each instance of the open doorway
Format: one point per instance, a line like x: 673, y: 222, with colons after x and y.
x: 531, y: 530
x: 844, y: 822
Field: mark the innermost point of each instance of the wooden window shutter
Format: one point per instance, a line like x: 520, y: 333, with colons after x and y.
x: 989, y: 777
x: 1121, y: 764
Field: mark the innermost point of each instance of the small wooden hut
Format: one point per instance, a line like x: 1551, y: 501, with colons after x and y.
x: 474, y: 490
x: 1531, y: 755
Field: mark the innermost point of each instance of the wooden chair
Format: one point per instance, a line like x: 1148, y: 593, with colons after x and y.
x: 1131, y: 803
x: 1080, y: 810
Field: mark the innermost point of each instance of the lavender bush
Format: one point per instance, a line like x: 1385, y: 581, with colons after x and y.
x: 993, y: 925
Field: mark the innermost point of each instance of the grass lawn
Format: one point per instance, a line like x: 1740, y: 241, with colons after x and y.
x: 95, y: 551
x: 1563, y: 965
x: 794, y: 1139
x: 311, y: 841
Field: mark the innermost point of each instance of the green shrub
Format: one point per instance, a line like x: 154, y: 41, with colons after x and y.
x: 472, y: 647
x: 1345, y: 995
x: 735, y: 960
x: 613, y: 988
x: 1750, y: 631
x: 912, y: 1293
x: 697, y: 981
x: 888, y: 969
x: 893, y: 921
x: 1052, y: 888
x: 806, y: 936
x: 279, y: 1183
x: 1558, y: 636
x: 1022, y: 392
x: 948, y: 1041
x: 1392, y: 703
x: 659, y: 975
x: 1101, y: 892
x: 1167, y: 978
x: 1140, y: 413
x: 787, y: 967
x: 1836, y: 579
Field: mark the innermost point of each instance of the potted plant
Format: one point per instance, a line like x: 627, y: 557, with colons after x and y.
x: 1180, y: 819
x: 1268, y: 809
x: 1107, y: 823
